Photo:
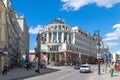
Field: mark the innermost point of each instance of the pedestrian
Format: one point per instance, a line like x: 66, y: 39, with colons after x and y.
x: 27, y: 66
x: 12, y: 66
x: 112, y: 68
x: 115, y: 66
x: 118, y: 67
x: 5, y: 69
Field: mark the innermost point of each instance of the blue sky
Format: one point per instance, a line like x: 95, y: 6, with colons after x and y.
x: 90, y: 15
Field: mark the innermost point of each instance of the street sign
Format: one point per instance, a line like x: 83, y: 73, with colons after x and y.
x: 23, y: 57
x: 108, y: 55
x: 102, y: 55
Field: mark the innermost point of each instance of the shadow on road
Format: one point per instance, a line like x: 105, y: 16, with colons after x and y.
x: 49, y: 70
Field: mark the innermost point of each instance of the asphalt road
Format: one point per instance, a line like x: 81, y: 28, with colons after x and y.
x: 66, y: 73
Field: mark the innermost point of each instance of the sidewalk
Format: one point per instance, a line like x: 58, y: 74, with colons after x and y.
x: 19, y: 73
x: 106, y: 76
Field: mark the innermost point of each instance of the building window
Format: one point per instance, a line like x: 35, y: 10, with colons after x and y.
x: 50, y: 36
x: 65, y: 36
x: 66, y: 28
x: 55, y: 27
x: 54, y: 48
x: 54, y: 35
x: 63, y: 27
x: 59, y: 36
x: 59, y: 28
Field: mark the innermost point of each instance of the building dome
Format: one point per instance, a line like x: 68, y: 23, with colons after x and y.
x: 57, y: 25
x: 57, y: 21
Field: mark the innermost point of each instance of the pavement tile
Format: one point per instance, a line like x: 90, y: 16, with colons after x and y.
x: 106, y: 76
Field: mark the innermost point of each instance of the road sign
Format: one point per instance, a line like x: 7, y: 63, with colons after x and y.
x: 108, y: 55
x: 23, y: 57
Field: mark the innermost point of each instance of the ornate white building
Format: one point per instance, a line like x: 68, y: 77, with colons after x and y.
x: 59, y: 43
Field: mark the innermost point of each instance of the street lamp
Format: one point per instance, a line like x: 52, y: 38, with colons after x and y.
x: 98, y: 44
x: 37, y: 63
x: 37, y: 50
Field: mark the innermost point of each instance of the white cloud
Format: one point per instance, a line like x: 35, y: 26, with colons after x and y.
x: 35, y: 30
x: 115, y: 35
x: 112, y: 44
x: 112, y: 38
x: 31, y: 51
x: 77, y: 4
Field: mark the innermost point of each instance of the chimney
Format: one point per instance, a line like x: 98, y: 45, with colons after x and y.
x: 16, y: 14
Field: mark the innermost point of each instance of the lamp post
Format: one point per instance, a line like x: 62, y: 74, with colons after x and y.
x: 98, y: 44
x: 38, y: 50
x: 38, y: 62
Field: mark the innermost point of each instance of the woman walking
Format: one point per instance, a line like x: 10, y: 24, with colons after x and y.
x: 112, y: 68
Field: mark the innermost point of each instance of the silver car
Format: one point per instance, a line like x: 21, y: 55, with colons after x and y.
x: 85, y: 68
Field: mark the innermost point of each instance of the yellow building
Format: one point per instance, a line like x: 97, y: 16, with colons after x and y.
x: 3, y: 32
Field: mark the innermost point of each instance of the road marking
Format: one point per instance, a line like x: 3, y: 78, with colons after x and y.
x: 62, y: 77
x: 91, y: 78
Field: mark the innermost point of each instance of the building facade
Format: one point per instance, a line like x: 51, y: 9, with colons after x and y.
x: 32, y: 56
x: 12, y: 44
x: 25, y: 34
x: 103, y: 53
x: 116, y: 57
x: 3, y: 36
x: 60, y: 44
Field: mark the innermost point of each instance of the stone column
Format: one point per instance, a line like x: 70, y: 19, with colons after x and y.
x: 47, y: 37
x: 67, y: 37
x: 62, y: 37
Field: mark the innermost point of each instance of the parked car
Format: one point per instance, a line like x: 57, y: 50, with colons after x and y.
x: 85, y: 68
x: 77, y: 66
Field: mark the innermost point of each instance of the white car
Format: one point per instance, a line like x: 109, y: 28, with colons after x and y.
x: 85, y: 68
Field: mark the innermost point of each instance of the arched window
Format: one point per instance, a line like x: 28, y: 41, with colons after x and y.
x: 55, y: 27
x: 59, y: 27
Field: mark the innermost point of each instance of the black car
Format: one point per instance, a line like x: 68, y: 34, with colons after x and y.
x: 77, y: 66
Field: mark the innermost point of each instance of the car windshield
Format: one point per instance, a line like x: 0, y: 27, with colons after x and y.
x: 84, y: 66
x: 77, y: 64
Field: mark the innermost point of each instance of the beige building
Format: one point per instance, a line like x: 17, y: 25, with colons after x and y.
x: 59, y: 43
x: 3, y: 36
x: 12, y: 43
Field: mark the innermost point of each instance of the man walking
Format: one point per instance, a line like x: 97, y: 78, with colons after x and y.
x: 5, y: 69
